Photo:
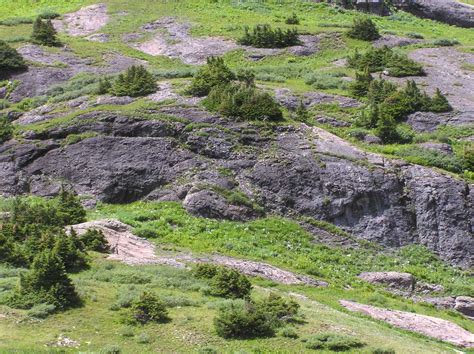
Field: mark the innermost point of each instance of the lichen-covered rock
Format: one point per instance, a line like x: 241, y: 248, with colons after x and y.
x: 465, y: 305
x: 233, y: 170
x: 393, y: 280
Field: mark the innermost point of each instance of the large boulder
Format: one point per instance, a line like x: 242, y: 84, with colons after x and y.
x: 447, y: 11
x: 392, y: 280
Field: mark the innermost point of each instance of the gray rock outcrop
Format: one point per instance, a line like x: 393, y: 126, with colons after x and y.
x: 223, y: 169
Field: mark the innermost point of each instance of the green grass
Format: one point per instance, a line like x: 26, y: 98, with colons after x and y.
x: 97, y: 325
x: 281, y: 242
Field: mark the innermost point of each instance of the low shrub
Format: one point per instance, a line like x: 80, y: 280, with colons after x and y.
x: 385, y: 59
x: 229, y: 283
x: 135, y: 82
x: 240, y: 101
x: 383, y: 351
x: 6, y: 129
x: 148, y: 308
x: 263, y: 36
x: 292, y: 20
x: 205, y: 270
x: 364, y: 28
x: 10, y: 60
x: 326, y: 81
x: 242, y: 319
x: 94, y: 240
x: 41, y: 310
x: 110, y: 349
x: 214, y: 73
x: 360, y: 86
x: 143, y: 338
x: 446, y: 42
x: 332, y: 341
x: 288, y: 332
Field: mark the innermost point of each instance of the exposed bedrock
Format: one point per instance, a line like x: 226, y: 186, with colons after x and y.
x: 237, y: 171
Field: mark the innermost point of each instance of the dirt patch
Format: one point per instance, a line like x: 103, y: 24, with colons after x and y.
x: 172, y: 39
x: 134, y: 250
x: 444, y: 70
x: 426, y: 325
x: 84, y: 22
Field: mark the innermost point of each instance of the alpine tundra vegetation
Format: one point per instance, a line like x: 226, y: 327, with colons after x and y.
x: 220, y: 176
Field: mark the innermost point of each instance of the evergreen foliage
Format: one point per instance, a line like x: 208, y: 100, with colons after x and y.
x: 263, y: 36
x: 385, y: 59
x: 364, y: 28
x: 10, y: 61
x: 148, y: 308
x: 214, y: 73
x: 135, y: 82
x: 44, y: 33
x: 6, y: 129
x: 439, y: 103
x: 292, y: 20
x: 230, y: 284
x: 94, y: 240
x: 239, y: 101
x: 360, y: 86
x: 46, y: 282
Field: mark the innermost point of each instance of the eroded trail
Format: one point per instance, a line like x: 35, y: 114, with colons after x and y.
x: 133, y: 250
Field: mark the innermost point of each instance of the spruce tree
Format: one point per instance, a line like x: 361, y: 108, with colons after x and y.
x: 44, y: 33
x: 46, y: 282
x: 69, y: 208
x: 386, y: 129
x: 364, y: 29
x: 439, y: 103
x: 360, y: 87
x: 10, y: 60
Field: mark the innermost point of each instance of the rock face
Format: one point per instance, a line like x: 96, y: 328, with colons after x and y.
x: 394, y: 280
x: 426, y: 325
x: 447, y: 11
x: 234, y: 170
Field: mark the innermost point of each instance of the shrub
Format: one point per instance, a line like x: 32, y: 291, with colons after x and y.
x: 230, y: 284
x: 360, y: 86
x: 148, y: 308
x: 105, y: 86
x: 379, y: 90
x: 214, y: 73
x: 288, y: 332
x: 6, y: 129
x: 243, y: 102
x: 44, y: 33
x: 292, y: 20
x: 69, y: 208
x: 135, y: 82
x: 242, y: 319
x: 41, y: 310
x: 332, y: 341
x: 279, y: 308
x: 205, y: 270
x: 379, y: 59
x: 364, y: 28
x: 302, y: 113
x: 263, y: 36
x: 439, y: 103
x: 70, y: 250
x: 143, y: 338
x: 46, y: 282
x: 446, y: 42
x: 383, y: 351
x: 10, y: 60
x: 94, y: 240
x: 386, y: 129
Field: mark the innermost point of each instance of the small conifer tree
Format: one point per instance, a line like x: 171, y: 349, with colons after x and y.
x: 44, y: 33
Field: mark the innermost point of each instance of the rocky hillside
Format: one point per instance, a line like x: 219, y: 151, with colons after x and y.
x: 331, y: 162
